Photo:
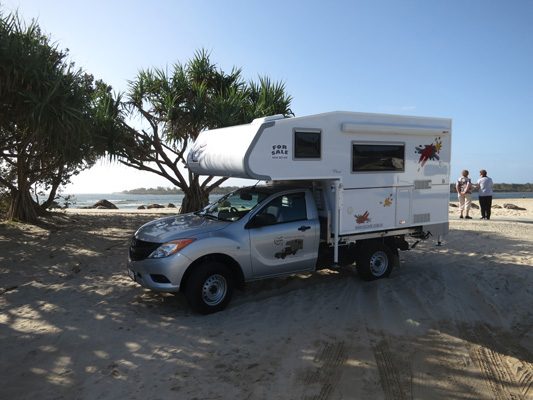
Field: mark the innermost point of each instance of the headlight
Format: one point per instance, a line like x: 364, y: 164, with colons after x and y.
x: 169, y: 248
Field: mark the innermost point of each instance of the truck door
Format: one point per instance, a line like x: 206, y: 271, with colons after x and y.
x: 282, y: 237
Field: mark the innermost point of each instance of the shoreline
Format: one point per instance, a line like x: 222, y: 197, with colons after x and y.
x: 498, y: 212
x: 128, y: 201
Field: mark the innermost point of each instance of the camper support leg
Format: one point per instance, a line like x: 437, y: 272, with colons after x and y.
x: 336, y: 188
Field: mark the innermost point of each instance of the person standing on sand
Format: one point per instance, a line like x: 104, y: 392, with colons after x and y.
x: 464, y: 192
x: 485, y: 194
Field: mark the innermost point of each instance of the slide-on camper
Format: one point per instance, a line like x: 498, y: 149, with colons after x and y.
x: 341, y: 187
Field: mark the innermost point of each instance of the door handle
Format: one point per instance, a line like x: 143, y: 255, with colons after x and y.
x: 303, y: 228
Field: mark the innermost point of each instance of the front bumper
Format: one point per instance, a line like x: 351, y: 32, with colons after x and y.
x: 159, y: 274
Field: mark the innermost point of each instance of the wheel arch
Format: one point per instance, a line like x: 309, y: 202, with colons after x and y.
x: 394, y: 243
x: 228, y: 261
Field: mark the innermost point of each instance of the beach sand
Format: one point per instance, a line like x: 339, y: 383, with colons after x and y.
x: 452, y: 322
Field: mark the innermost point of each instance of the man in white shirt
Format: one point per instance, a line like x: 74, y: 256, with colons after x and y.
x: 485, y: 185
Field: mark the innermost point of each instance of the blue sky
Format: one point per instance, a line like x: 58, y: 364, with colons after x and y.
x: 469, y: 60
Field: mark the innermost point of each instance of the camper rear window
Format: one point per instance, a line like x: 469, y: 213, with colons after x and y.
x: 307, y: 144
x: 378, y: 157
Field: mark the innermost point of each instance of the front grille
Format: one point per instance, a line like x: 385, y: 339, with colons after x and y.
x: 139, y: 249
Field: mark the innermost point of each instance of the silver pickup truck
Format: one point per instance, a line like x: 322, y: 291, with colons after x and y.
x: 253, y: 233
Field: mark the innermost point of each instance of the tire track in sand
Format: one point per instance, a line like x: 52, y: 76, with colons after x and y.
x: 505, y: 375
x: 504, y: 381
x: 395, y: 375
x: 394, y: 384
x: 329, y: 362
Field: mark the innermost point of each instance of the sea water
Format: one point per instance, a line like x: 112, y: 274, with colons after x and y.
x: 126, y: 200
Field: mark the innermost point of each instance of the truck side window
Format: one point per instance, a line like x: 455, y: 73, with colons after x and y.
x: 286, y: 208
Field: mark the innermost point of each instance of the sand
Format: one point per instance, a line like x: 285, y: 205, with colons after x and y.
x: 452, y: 322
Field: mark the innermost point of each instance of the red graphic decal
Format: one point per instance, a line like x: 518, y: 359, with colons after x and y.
x: 429, y: 151
x: 362, y: 219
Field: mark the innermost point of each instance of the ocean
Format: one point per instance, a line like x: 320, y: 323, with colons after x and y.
x: 132, y: 201
x: 127, y: 201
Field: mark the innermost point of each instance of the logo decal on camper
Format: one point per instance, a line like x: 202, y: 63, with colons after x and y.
x: 387, y: 202
x: 429, y: 152
x: 363, y: 218
x: 280, y: 151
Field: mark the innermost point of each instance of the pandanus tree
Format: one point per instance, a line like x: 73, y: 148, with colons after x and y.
x: 173, y: 107
x: 55, y: 120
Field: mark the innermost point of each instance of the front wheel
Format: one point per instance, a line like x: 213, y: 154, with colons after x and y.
x: 209, y: 288
x: 374, y: 261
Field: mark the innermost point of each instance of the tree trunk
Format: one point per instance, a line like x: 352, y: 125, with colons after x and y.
x: 22, y: 207
x: 194, y: 199
x: 53, y: 191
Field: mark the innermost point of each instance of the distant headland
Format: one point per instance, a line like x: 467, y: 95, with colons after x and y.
x: 505, y: 187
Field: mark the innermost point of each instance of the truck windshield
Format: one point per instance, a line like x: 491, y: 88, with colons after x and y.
x: 235, y: 205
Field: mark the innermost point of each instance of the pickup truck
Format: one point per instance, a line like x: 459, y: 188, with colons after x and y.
x: 252, y: 233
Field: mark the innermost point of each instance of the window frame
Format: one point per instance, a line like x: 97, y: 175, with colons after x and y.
x: 295, y: 131
x: 303, y: 194
x: 375, y: 143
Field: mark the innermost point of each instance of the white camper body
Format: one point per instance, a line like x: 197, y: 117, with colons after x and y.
x: 346, y: 189
x: 379, y: 173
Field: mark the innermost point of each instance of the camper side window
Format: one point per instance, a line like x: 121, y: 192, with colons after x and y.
x: 378, y: 157
x: 307, y: 144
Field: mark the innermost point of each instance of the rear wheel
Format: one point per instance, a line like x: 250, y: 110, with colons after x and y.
x: 374, y: 261
x: 209, y: 288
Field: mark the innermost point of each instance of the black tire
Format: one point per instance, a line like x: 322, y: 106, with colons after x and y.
x: 375, y: 260
x: 209, y: 287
